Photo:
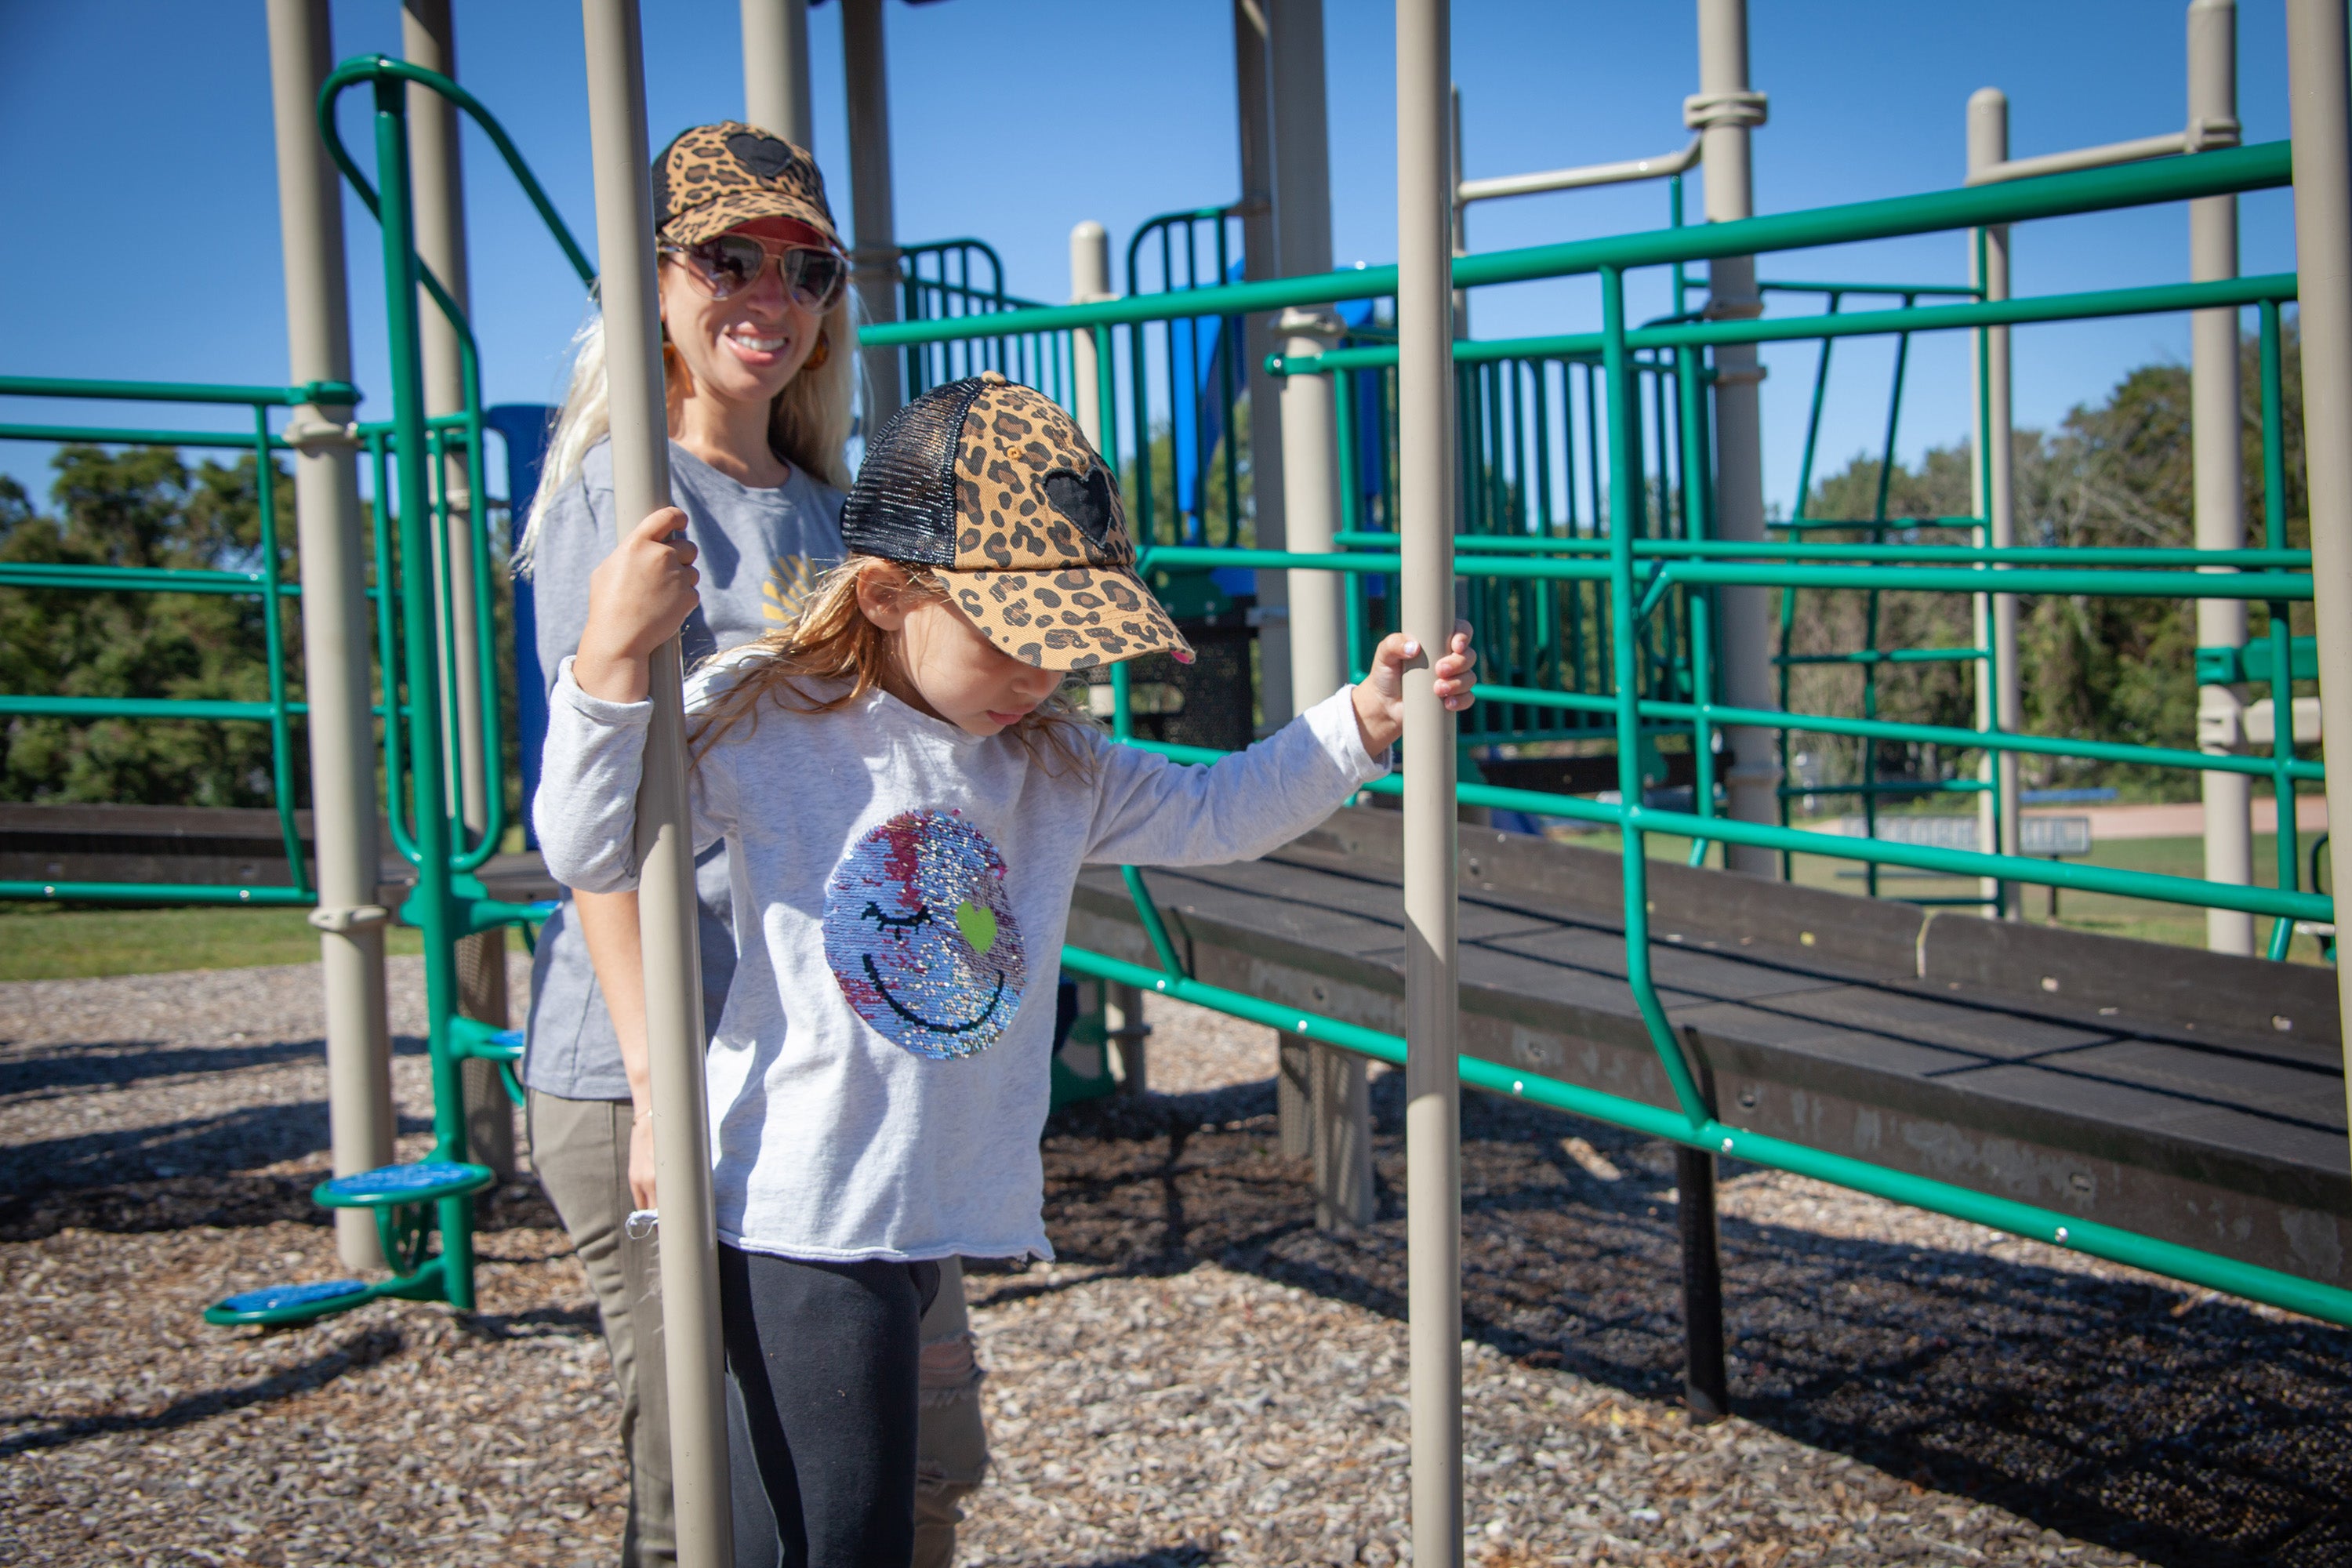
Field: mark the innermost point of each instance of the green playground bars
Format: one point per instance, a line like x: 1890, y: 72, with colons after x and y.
x: 1630, y: 654
x: 278, y: 711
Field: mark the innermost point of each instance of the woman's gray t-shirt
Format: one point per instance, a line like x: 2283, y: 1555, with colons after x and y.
x: 759, y: 550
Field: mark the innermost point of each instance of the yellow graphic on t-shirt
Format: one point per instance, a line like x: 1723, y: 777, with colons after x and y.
x: 784, y: 593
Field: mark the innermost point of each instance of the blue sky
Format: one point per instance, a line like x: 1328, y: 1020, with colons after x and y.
x: 149, y: 123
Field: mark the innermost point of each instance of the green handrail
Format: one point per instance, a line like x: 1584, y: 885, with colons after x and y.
x: 263, y: 585
x: 326, y: 394
x: 2150, y: 300
x: 381, y: 67
x: 465, y: 426
x: 2252, y: 1281
x: 2230, y: 171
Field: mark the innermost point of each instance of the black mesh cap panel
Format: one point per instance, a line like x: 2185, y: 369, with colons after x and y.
x: 903, y: 506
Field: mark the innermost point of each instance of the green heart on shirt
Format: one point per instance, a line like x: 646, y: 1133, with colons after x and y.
x: 978, y: 924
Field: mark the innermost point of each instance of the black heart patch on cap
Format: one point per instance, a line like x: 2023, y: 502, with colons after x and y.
x: 766, y: 156
x: 1084, y: 502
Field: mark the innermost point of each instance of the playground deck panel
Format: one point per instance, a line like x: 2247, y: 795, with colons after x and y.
x: 2207, y: 1125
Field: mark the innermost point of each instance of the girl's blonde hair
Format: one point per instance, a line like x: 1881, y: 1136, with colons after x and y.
x: 808, y: 423
x: 832, y: 645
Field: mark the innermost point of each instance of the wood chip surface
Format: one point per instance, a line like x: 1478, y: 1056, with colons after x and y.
x: 1200, y: 1378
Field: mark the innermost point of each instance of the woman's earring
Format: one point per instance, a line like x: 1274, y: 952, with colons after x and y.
x: 819, y: 354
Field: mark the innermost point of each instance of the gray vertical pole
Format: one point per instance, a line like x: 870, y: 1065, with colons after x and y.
x: 776, y: 69
x: 1454, y: 156
x: 1089, y: 282
x: 666, y: 901
x: 335, y: 623
x: 2219, y: 463
x: 876, y: 251
x: 1263, y: 257
x: 429, y: 37
x: 1724, y: 111
x: 1123, y: 1029
x: 2323, y: 259
x: 1998, y: 704
x: 1425, y: 490
x: 1338, y: 1101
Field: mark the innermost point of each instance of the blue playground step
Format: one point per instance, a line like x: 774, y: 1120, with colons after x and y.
x: 418, y: 1184
x: 288, y: 1303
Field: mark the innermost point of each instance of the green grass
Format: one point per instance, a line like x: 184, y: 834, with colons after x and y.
x: 2144, y: 918
x: 53, y: 941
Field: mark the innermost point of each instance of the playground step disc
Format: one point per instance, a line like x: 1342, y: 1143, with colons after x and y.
x: 418, y: 1184
x: 288, y: 1303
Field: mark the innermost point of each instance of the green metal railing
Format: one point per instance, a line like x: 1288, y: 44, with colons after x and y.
x: 944, y: 279
x: 265, y: 582
x: 1637, y: 571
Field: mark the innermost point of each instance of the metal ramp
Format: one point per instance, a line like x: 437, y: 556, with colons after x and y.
x: 2185, y: 1095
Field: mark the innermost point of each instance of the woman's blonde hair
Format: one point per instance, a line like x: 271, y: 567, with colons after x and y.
x: 831, y: 646
x: 808, y: 423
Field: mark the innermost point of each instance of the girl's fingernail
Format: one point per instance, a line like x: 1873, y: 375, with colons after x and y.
x: 1411, y: 648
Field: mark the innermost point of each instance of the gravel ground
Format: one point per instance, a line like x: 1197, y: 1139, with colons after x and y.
x: 1200, y: 1378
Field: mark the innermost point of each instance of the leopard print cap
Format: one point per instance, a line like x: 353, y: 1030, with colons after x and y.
x: 713, y: 177
x: 1041, y: 560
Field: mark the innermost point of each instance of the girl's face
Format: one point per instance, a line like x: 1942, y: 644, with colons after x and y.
x: 742, y: 349
x: 946, y: 667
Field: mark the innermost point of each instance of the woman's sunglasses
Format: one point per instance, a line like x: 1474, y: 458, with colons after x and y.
x: 732, y: 263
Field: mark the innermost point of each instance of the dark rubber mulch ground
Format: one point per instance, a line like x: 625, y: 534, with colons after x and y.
x: 2191, y: 1431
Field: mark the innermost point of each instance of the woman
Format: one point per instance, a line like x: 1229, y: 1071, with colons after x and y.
x: 758, y: 358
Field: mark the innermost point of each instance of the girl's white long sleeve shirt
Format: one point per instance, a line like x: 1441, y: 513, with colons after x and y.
x: 880, y: 1077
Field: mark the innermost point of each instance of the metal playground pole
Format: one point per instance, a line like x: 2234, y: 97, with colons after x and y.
x: 665, y: 902
x: 2323, y: 259
x: 776, y: 69
x: 335, y: 621
x: 1425, y: 489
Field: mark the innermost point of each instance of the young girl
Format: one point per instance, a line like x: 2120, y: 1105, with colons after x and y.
x: 758, y: 371
x: 906, y: 804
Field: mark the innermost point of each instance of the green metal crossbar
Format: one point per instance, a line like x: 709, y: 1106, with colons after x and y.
x: 278, y: 711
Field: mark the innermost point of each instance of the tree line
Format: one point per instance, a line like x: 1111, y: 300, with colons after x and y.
x: 2116, y: 473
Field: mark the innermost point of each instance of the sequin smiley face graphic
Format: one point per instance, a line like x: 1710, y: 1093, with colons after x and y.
x: 920, y: 932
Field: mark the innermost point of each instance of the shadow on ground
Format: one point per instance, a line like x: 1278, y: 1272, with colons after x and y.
x: 222, y: 1168
x: 2209, y: 1437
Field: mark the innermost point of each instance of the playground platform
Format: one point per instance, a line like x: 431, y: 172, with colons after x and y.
x: 2186, y: 1095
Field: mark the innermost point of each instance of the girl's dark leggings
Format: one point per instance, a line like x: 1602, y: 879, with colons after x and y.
x: 823, y: 1361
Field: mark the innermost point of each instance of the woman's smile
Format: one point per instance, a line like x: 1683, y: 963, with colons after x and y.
x: 758, y: 349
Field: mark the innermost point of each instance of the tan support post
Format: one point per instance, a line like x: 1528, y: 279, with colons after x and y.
x: 2323, y: 258
x: 429, y: 37
x: 1453, y: 156
x: 875, y: 254
x: 1089, y: 283
x: 1262, y: 256
x: 667, y: 910
x: 776, y: 69
x: 1337, y: 1104
x: 1124, y: 1030
x: 2216, y: 427
x: 1425, y: 490
x: 1998, y: 705
x: 335, y: 623
x: 1723, y: 111
x: 1127, y: 1036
